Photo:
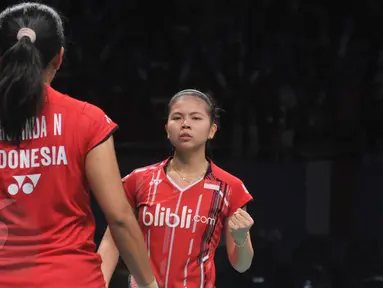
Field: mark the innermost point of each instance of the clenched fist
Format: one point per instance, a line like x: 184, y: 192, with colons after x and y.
x: 239, y: 224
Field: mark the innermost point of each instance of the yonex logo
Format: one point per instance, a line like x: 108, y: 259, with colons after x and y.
x: 26, y: 186
x: 155, y: 182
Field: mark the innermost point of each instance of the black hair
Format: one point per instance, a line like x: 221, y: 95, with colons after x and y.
x: 23, y: 61
x: 214, y: 110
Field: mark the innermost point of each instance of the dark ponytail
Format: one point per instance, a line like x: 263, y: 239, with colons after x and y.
x: 21, y: 88
x: 31, y: 36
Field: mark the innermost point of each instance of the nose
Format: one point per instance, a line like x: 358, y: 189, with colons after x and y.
x: 185, y: 125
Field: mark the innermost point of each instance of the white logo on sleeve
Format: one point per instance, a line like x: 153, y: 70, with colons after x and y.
x: 108, y: 120
x: 244, y: 188
x: 164, y: 217
x: 27, y: 188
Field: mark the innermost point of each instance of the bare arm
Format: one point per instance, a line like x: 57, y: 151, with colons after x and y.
x: 241, y: 253
x: 104, y: 177
x: 109, y: 255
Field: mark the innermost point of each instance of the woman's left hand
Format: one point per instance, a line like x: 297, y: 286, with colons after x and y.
x: 239, y: 224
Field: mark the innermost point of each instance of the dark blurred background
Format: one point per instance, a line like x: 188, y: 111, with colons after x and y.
x: 301, y: 85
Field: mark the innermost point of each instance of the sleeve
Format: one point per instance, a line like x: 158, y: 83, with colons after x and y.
x: 240, y: 196
x: 96, y: 126
x: 129, y: 183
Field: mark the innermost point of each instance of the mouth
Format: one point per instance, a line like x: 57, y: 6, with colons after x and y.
x: 185, y: 136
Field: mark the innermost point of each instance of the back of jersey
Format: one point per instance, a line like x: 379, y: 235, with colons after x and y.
x: 46, y: 223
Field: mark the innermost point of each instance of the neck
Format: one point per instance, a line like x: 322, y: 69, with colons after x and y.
x: 190, y: 163
x: 48, y: 76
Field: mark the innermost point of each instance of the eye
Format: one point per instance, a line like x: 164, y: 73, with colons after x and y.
x: 176, y: 118
x: 197, y: 118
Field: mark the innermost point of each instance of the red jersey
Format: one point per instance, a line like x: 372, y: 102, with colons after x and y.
x: 46, y: 222
x: 183, y: 226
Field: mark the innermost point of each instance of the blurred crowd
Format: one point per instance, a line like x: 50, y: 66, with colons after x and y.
x: 295, y: 78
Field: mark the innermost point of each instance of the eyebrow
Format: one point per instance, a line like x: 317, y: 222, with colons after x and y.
x: 192, y: 113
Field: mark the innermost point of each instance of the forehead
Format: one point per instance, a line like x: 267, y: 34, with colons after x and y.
x: 189, y: 103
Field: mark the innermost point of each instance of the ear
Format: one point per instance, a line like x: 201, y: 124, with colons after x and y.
x: 213, y: 130
x: 166, y: 129
x: 58, y: 60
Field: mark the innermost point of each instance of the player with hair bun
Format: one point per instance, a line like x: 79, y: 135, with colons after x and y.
x: 186, y: 202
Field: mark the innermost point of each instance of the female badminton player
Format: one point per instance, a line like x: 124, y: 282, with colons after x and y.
x: 53, y: 148
x: 185, y: 203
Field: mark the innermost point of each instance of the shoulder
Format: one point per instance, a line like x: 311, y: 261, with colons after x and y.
x: 225, y: 176
x: 237, y: 194
x: 57, y: 98
x: 73, y: 105
x: 144, y: 172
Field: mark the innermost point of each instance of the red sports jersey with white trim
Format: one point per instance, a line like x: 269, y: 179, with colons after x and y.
x: 46, y: 222
x: 183, y: 227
